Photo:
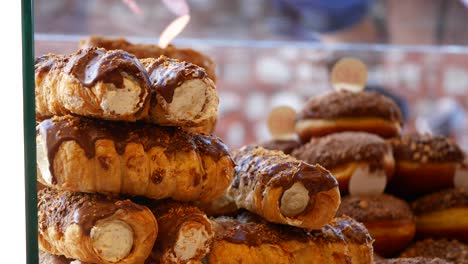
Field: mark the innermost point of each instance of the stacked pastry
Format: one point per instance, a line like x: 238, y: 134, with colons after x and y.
x: 356, y: 135
x: 111, y: 128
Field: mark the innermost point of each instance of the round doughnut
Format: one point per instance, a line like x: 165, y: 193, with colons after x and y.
x: 284, y: 145
x: 423, y: 164
x: 450, y: 250
x: 443, y: 214
x: 348, y: 111
x: 388, y: 219
x: 412, y: 261
x: 346, y: 154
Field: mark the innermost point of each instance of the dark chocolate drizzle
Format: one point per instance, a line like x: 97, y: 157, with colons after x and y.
x: 166, y: 74
x: 85, y: 132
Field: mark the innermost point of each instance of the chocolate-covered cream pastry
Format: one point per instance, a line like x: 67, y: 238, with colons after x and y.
x: 443, y: 214
x: 250, y: 239
x: 185, y: 233
x: 424, y: 164
x: 94, y: 228
x: 388, y: 219
x: 450, y: 250
x: 92, y: 82
x: 182, y: 93
x: 137, y: 159
x: 338, y: 111
x: 283, y: 189
x: 142, y: 51
x: 359, y: 161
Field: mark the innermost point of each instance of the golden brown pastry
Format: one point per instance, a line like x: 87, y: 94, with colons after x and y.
x: 443, y: 214
x: 207, y: 127
x: 94, y: 228
x: 353, y: 158
x: 388, y: 219
x: 92, y: 82
x: 152, y: 51
x: 450, y: 250
x: 249, y: 239
x: 283, y: 189
x: 338, y: 111
x: 183, y: 95
x: 424, y: 164
x: 185, y: 233
x: 413, y: 261
x: 88, y: 155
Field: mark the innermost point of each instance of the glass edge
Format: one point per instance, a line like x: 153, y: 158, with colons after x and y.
x: 219, y: 43
x: 29, y: 121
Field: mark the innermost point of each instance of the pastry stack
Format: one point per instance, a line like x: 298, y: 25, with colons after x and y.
x: 401, y: 187
x: 128, y: 179
x: 113, y: 142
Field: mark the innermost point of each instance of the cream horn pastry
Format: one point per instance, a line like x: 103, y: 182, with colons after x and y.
x: 142, y: 51
x: 182, y: 93
x: 185, y: 233
x: 92, y: 82
x: 136, y: 159
x: 283, y: 189
x: 94, y: 228
x: 249, y: 239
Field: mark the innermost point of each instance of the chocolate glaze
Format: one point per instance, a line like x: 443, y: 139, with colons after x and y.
x: 442, y: 200
x: 252, y: 230
x: 85, y: 132
x: 284, y: 145
x: 44, y: 63
x: 413, y: 261
x: 450, y: 250
x: 374, y: 208
x: 426, y: 148
x: 166, y: 74
x: 92, y: 65
x: 61, y: 209
x: 345, y: 104
x: 342, y: 148
x: 274, y: 168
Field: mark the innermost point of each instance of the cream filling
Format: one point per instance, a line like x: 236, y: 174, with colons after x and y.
x: 43, y: 160
x: 187, y: 103
x: 121, y: 101
x: 294, y: 200
x: 112, y: 240
x: 192, y: 237
x: 365, y: 182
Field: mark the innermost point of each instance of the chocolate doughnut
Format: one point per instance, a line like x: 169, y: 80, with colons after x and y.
x: 285, y: 145
x: 348, y: 111
x: 450, y: 250
x: 347, y: 154
x: 388, y: 219
x: 443, y: 214
x: 423, y: 164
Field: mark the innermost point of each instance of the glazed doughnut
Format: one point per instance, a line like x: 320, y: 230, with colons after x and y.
x: 423, y: 164
x: 285, y: 145
x: 443, y: 214
x: 346, y: 154
x: 453, y: 250
x: 388, y: 219
x: 348, y: 111
x: 412, y: 261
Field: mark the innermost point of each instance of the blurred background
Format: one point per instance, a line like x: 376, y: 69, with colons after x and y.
x: 279, y: 52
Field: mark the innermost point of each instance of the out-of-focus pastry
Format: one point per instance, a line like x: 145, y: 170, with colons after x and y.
x: 424, y: 164
x: 182, y: 93
x: 283, y: 189
x: 249, y: 239
x: 361, y: 162
x: 339, y: 111
x: 152, y: 51
x: 285, y: 145
x: 94, y: 228
x: 443, y: 214
x: 88, y: 155
x: 185, y: 233
x: 388, y: 219
x: 92, y: 82
x: 450, y: 250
